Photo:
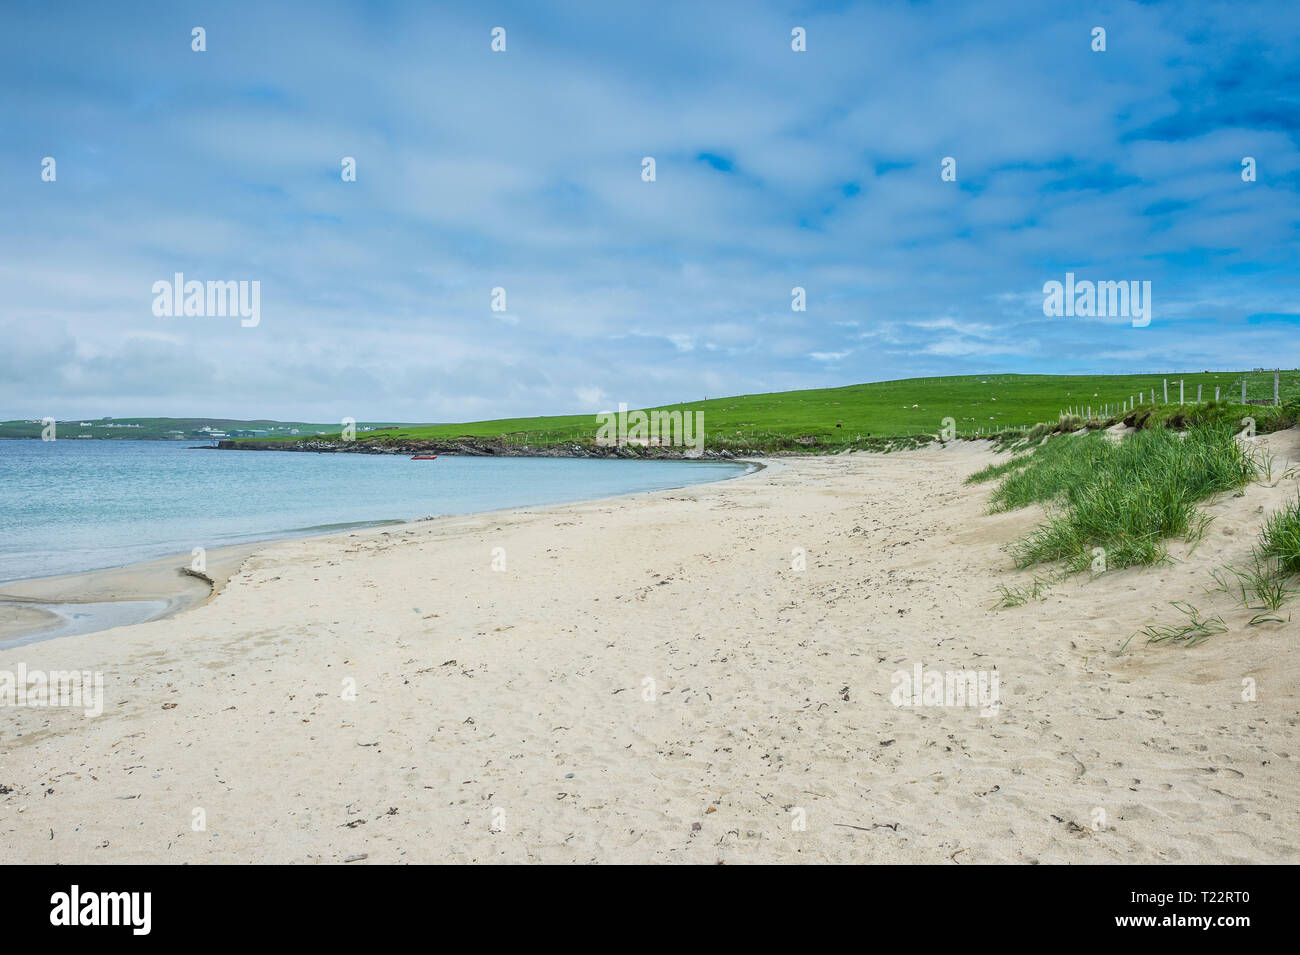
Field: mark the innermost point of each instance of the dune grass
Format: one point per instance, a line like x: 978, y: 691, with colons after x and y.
x: 1019, y: 596
x: 1055, y: 467
x: 1125, y: 497
x: 1267, y: 418
x: 1191, y: 631
x: 1266, y: 583
x: 998, y: 469
x: 1280, y: 539
x: 1261, y: 585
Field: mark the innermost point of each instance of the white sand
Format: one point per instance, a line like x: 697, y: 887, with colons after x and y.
x: 521, y: 691
x: 22, y: 602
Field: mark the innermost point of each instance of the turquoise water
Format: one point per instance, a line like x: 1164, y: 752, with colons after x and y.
x: 69, y: 506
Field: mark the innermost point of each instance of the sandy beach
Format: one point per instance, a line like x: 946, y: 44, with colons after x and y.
x: 161, y: 584
x: 653, y: 679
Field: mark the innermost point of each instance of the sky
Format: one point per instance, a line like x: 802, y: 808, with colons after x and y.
x: 522, y: 170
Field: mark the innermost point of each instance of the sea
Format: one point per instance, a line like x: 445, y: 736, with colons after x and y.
x: 70, y: 505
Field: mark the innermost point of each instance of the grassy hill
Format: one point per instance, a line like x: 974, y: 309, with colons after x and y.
x: 879, y: 414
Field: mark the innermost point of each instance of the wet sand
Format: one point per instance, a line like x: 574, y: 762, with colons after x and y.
x: 40, y: 608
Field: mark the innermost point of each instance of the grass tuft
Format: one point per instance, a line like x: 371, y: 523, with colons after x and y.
x: 1189, y: 633
x: 998, y: 469
x: 1280, y: 539
x: 1125, y: 497
x: 1019, y: 596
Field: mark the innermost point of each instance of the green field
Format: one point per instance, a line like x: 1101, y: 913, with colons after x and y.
x: 879, y: 416
x: 875, y: 415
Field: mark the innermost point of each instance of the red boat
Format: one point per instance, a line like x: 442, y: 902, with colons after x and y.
x: 424, y: 457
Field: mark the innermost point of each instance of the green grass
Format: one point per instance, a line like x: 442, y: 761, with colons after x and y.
x: 1262, y: 585
x: 1056, y: 467
x: 998, y: 469
x: 1018, y: 596
x: 1267, y: 418
x: 1280, y: 539
x: 1126, y: 497
x: 879, y: 416
x: 1190, y: 632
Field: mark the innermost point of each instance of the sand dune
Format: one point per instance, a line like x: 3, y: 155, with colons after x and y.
x: 505, y: 715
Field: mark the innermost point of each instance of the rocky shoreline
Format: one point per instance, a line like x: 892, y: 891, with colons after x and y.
x: 479, y: 447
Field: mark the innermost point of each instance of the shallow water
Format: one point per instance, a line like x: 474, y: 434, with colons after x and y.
x: 91, y: 617
x: 68, y: 506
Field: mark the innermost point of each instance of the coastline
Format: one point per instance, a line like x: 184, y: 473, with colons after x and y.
x: 474, y: 447
x: 391, y: 697
x: 24, y: 604
x: 161, y: 580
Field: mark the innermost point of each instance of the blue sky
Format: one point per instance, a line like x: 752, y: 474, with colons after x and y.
x: 522, y: 170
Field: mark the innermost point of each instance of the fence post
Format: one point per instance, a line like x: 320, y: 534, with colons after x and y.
x: 1276, y: 394
x: 1198, y: 394
x: 1243, y: 389
x: 1216, y: 393
x: 1166, y: 391
x: 1180, y: 391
